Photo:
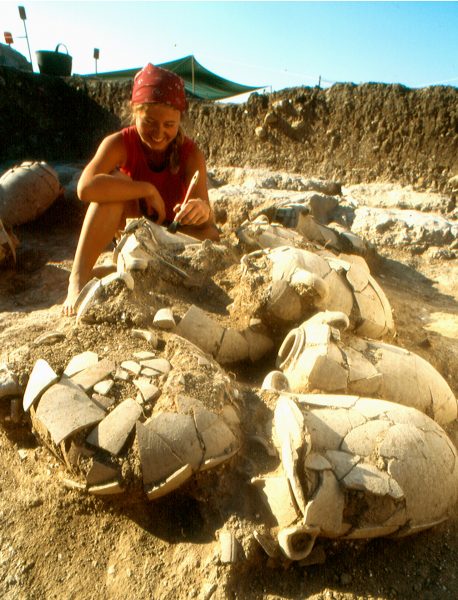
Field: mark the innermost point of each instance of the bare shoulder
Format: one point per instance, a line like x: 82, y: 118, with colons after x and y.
x: 111, y: 150
x: 195, y: 160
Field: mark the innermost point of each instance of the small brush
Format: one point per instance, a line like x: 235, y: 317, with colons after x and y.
x: 175, y: 224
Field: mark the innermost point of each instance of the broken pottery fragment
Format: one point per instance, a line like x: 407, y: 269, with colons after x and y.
x: 313, y: 357
x: 131, y: 366
x: 103, y: 387
x: 100, y: 473
x: 225, y: 344
x: 88, y: 295
x: 201, y: 330
x: 199, y: 433
x: 161, y: 365
x: 106, y: 489
x: 9, y: 385
x: 48, y: 338
x: 92, y: 375
x: 292, y: 283
x: 148, y: 390
x: 126, y: 278
x: 112, y: 432
x: 228, y: 547
x: 80, y: 362
x: 103, y: 401
x: 275, y: 380
x: 65, y: 409
x: 164, y: 319
x: 143, y: 355
x: 147, y: 335
x: 41, y: 378
x: 92, y: 291
x: 260, y: 233
x: 357, y: 483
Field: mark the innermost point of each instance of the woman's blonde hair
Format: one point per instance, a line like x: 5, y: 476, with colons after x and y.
x: 173, y: 157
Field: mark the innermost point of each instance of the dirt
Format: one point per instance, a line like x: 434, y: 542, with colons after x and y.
x: 59, y: 543
x: 354, y: 133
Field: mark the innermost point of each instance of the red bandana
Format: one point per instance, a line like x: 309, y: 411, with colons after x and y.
x: 154, y: 84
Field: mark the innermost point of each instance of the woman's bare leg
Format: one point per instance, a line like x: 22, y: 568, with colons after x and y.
x: 100, y: 225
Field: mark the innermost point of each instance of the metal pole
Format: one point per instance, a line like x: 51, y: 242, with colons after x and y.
x: 192, y: 72
x: 23, y: 18
x: 96, y: 56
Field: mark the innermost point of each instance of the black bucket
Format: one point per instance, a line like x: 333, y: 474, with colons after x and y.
x: 54, y: 63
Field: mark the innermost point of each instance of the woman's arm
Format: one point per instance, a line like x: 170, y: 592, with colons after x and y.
x: 101, y: 182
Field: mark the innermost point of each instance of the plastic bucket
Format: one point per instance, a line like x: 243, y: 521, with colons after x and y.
x: 54, y: 63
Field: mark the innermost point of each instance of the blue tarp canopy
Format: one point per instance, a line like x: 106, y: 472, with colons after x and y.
x: 199, y: 81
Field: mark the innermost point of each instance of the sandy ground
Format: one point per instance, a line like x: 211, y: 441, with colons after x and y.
x: 58, y: 543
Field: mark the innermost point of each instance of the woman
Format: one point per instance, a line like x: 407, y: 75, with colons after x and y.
x: 144, y: 169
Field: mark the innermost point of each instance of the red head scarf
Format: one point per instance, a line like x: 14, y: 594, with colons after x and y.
x: 154, y: 84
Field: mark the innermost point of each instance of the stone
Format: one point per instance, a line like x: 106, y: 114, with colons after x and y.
x: 80, y: 362
x: 111, y: 434
x: 41, y: 378
x: 92, y: 375
x: 65, y: 409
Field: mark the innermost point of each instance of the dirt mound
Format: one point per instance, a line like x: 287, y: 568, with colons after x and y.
x: 351, y: 133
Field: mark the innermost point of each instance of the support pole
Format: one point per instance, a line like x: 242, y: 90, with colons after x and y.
x: 23, y: 19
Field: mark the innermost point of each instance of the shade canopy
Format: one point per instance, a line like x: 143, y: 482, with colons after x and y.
x: 199, y: 81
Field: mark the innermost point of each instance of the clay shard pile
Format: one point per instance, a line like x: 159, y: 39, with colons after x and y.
x: 357, y: 421
x: 352, y: 467
x: 313, y: 357
x: 169, y: 431
x: 299, y: 282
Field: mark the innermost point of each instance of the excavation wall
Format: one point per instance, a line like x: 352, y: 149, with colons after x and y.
x: 353, y: 133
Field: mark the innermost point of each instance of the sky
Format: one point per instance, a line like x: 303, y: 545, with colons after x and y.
x: 275, y: 45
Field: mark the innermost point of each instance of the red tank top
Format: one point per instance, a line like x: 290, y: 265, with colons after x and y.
x: 171, y: 186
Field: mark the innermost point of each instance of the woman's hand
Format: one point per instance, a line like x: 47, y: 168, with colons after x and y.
x: 155, y: 203
x: 194, y: 212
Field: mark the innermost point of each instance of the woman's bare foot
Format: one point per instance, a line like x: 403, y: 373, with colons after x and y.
x: 68, y: 307
x: 75, y: 285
